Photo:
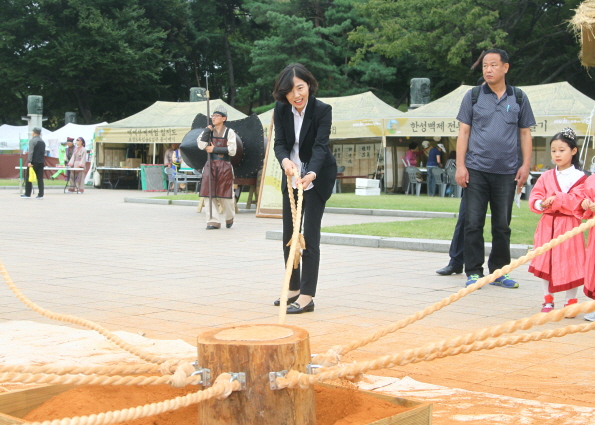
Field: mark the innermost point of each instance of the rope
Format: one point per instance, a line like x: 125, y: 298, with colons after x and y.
x: 222, y: 388
x: 29, y: 378
x: 87, y: 324
x: 335, y: 353
x: 451, y: 347
x: 297, y: 241
x: 75, y: 370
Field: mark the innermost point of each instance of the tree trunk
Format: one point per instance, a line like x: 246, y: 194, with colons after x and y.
x: 257, y: 350
x: 83, y: 105
x: 232, y: 85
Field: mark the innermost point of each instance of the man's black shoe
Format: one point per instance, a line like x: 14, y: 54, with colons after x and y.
x: 448, y: 270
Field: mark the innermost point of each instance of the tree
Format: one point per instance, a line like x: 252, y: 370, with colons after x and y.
x: 293, y: 39
x: 449, y: 36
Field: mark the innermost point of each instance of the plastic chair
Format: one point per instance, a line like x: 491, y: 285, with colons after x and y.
x: 175, y: 178
x: 337, y: 188
x: 452, y: 182
x: 440, y: 179
x: 414, y: 180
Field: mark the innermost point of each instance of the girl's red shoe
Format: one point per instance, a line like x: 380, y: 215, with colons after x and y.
x: 548, y: 305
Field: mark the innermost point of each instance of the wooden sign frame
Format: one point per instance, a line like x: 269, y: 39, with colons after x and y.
x: 268, y: 181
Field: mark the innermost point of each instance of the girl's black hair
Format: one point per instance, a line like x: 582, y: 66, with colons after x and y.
x: 284, y: 82
x: 568, y: 136
x: 413, y: 145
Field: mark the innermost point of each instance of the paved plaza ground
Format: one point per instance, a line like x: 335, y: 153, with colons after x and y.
x: 156, y: 269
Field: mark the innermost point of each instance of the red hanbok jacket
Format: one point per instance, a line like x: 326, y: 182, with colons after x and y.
x: 562, y: 266
x: 589, y: 269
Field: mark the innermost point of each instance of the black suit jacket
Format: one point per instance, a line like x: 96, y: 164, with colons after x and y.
x: 314, y: 143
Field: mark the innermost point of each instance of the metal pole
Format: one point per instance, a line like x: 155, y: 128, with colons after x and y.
x: 20, y: 176
x: 209, y: 162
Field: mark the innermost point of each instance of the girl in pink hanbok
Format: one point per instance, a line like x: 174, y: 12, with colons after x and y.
x: 586, y: 210
x: 556, y: 195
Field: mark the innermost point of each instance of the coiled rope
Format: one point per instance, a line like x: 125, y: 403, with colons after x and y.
x: 333, y: 356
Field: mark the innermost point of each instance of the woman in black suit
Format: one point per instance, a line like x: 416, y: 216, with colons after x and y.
x: 302, y: 130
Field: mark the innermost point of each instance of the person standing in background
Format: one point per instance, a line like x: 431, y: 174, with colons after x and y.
x: 492, y: 124
x: 35, y: 160
x: 78, y: 160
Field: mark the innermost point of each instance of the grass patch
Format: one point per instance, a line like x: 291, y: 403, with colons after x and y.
x: 523, y: 225
x: 46, y: 182
x: 394, y: 202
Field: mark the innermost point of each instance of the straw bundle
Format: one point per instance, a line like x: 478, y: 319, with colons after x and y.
x: 583, y: 24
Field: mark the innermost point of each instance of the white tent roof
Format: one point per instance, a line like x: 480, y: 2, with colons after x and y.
x: 173, y: 114
x: 162, y: 122
x: 555, y: 106
x: 75, y: 130
x: 353, y: 116
x: 87, y: 132
x: 11, y: 135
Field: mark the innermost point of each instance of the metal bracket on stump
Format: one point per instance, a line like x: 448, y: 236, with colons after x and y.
x: 240, y: 377
x: 273, y: 378
x: 205, y: 374
x: 312, y: 368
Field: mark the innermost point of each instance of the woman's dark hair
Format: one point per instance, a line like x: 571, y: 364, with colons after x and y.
x: 284, y: 82
x: 413, y: 145
x: 452, y: 155
x: 82, y: 140
x: 568, y: 136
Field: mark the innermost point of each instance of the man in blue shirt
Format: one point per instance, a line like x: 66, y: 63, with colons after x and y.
x: 487, y: 164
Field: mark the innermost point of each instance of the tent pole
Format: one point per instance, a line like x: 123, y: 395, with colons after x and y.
x: 384, y: 161
x: 154, y: 147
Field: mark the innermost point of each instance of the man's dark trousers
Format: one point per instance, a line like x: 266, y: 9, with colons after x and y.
x: 312, y: 210
x: 497, y: 190
x: 38, y: 169
x: 457, y: 245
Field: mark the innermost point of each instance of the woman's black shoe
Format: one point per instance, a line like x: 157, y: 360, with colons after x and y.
x: 289, y: 300
x: 295, y: 308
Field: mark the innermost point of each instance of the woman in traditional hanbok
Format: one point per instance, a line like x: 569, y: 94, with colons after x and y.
x: 556, y: 196
x: 78, y: 160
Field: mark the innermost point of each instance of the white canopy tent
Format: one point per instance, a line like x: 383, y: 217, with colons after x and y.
x: 87, y: 132
x: 555, y: 106
x: 162, y: 123
x: 15, y: 137
x: 356, y: 116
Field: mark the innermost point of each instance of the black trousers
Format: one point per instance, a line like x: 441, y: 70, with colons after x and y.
x: 38, y: 168
x: 497, y: 190
x: 457, y: 245
x: 312, y: 211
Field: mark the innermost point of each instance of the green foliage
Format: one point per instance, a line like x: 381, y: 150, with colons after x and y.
x: 442, y: 34
x: 262, y: 109
x: 108, y: 59
x: 449, y: 37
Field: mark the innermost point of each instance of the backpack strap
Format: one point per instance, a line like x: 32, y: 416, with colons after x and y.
x: 476, y: 90
x: 519, y: 95
x: 475, y: 94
